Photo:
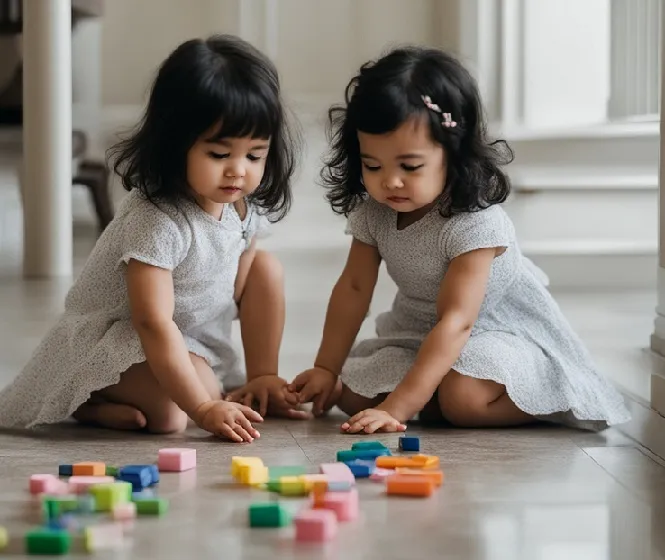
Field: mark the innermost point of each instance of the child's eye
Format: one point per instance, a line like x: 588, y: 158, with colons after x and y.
x: 412, y: 167
x: 215, y: 155
x: 252, y: 157
x: 371, y: 167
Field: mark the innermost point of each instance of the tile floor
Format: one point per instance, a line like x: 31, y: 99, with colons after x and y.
x: 541, y: 493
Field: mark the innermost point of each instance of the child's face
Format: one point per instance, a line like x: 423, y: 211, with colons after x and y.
x: 225, y: 171
x: 404, y: 169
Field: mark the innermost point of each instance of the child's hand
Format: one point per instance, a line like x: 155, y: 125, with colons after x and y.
x: 314, y: 385
x: 372, y: 420
x: 227, y: 419
x: 272, y: 395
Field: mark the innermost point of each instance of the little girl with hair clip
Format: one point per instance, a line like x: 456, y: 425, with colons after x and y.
x: 473, y: 337
x: 145, y: 337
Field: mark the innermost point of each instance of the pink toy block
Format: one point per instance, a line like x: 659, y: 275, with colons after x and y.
x: 337, y: 472
x: 379, y: 475
x: 81, y: 484
x: 315, y: 525
x: 43, y: 483
x: 344, y: 504
x: 176, y: 459
x: 124, y: 512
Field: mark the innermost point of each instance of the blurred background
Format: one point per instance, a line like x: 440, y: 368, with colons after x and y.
x: 573, y: 85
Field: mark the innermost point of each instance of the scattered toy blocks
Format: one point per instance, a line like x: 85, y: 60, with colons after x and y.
x: 151, y: 506
x: 361, y: 445
x: 337, y: 472
x: 89, y: 469
x: 361, y: 468
x: 176, y: 459
x: 111, y: 494
x: 344, y: 504
x: 409, y: 443
x: 48, y: 541
x: 81, y: 484
x: 270, y: 514
x: 316, y: 525
x: 345, y: 455
x: 408, y: 485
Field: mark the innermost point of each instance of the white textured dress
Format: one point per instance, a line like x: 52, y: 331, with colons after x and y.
x: 93, y: 342
x: 521, y: 338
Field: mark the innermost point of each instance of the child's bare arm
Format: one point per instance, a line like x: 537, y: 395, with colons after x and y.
x: 458, y: 303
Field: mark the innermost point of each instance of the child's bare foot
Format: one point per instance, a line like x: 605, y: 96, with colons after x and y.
x: 111, y: 415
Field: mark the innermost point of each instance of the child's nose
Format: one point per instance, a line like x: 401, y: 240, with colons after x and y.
x: 234, y: 169
x: 393, y: 182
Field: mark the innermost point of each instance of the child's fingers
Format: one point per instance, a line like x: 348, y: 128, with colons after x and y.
x: 226, y: 431
x: 307, y: 393
x: 244, y: 434
x: 290, y: 398
x: 263, y: 398
x: 250, y: 413
x: 248, y: 399
x: 296, y: 414
x: 319, y: 403
x: 375, y: 426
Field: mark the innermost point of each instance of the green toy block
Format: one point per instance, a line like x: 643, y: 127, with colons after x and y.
x: 48, y: 541
x: 360, y: 445
x: 275, y: 473
x: 4, y: 538
x: 346, y: 455
x: 111, y: 471
x: 54, y: 506
x: 109, y: 495
x: 268, y: 514
x: 151, y: 506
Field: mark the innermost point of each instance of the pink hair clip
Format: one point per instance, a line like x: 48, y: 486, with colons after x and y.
x: 447, y: 121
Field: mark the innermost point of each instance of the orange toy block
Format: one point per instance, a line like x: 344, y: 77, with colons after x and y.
x: 409, y: 485
x: 89, y: 469
x: 436, y: 476
x: 413, y: 462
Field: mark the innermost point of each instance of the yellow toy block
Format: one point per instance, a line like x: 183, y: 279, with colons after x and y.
x: 253, y: 474
x: 310, y: 479
x: 292, y: 486
x: 238, y: 462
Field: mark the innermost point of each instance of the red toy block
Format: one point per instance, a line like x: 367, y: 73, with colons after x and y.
x: 43, y: 483
x: 316, y: 525
x: 176, y: 459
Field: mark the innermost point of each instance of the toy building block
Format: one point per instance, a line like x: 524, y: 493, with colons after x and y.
x: 362, y: 445
x: 65, y: 470
x: 43, y: 483
x: 124, y: 512
x: 138, y: 476
x: 360, y: 468
x: 253, y: 474
x: 292, y: 486
x: 87, y: 504
x: 409, y: 443
x: 89, y: 469
x: 238, y: 462
x: 153, y: 471
x: 151, y: 506
x: 111, y: 471
x: 54, y: 506
x: 269, y: 514
x: 176, y: 459
x: 309, y: 479
x: 106, y: 536
x: 111, y: 494
x: 275, y: 473
x: 48, y: 541
x: 436, y: 476
x: 81, y: 484
x: 345, y: 455
x: 315, y: 525
x: 414, y: 462
x: 408, y: 485
x: 379, y: 475
x: 4, y: 538
x: 344, y: 504
x: 337, y: 472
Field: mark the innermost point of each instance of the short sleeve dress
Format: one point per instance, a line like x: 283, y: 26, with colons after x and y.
x: 93, y: 341
x: 521, y: 339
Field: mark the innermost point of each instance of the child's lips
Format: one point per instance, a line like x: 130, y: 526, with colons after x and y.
x: 398, y: 199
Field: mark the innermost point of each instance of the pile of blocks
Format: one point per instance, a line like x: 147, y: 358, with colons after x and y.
x: 73, y: 502
x: 332, y: 493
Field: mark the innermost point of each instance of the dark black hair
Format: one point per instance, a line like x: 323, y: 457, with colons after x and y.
x: 224, y: 80
x: 388, y: 92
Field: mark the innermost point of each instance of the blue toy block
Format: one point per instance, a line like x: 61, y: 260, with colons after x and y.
x: 65, y: 470
x: 139, y: 476
x: 361, y: 468
x: 152, y: 469
x: 409, y: 443
x: 346, y: 455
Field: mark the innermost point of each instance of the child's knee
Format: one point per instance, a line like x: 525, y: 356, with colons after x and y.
x: 170, y: 420
x: 268, y: 268
x: 462, y: 404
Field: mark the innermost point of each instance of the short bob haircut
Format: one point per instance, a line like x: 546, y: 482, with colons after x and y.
x: 223, y: 81
x: 390, y: 91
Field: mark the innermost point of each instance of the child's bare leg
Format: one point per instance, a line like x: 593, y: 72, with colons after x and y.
x: 352, y: 404
x: 467, y: 402
x: 138, y: 401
